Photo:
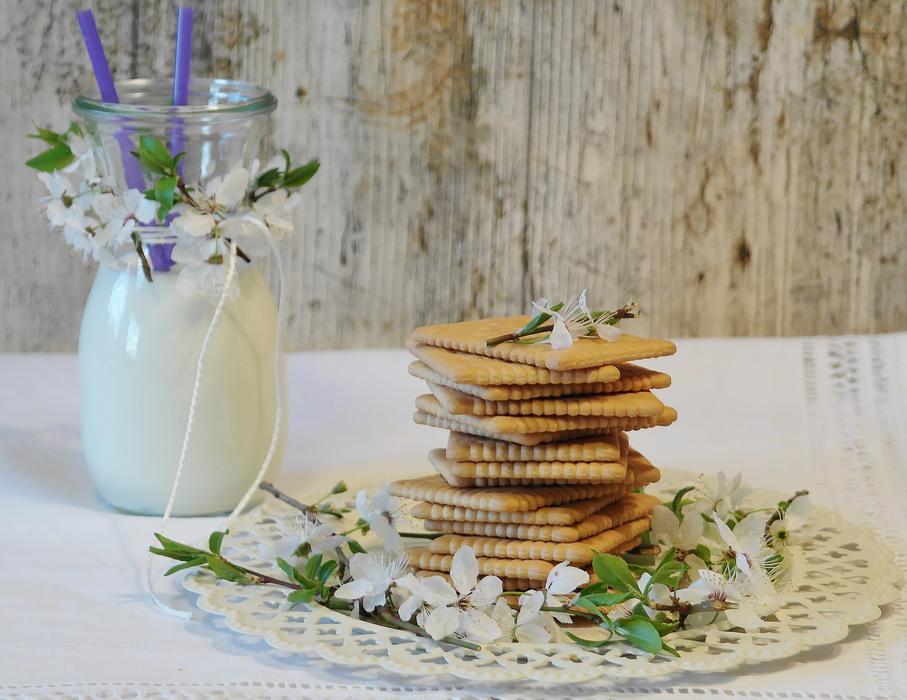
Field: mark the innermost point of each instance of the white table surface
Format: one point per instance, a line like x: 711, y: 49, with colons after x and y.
x: 825, y: 413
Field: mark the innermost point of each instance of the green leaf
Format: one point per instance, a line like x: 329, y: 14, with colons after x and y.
x: 287, y: 568
x: 640, y: 633
x: 703, y: 552
x: 670, y: 650
x: 605, y: 599
x: 311, y: 566
x: 216, y: 540
x: 588, y: 643
x: 227, y: 571
x: 52, y: 159
x: 286, y: 159
x: 301, y: 175
x: 303, y: 595
x: 326, y: 569
x: 355, y: 547
x: 198, y: 561
x: 614, y: 572
x: 174, y: 546
x: 268, y: 179
x: 154, y: 156
x: 179, y: 556
x: 597, y: 587
x: 664, y: 626
x: 47, y: 136
x: 164, y: 192
x: 587, y: 604
x: 677, y: 502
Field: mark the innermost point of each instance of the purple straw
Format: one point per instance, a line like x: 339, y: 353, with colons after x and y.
x: 132, y: 168
x: 98, y: 57
x: 162, y: 257
x: 183, y: 55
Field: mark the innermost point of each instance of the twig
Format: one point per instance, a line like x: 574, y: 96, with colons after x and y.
x: 146, y: 266
x: 309, y: 512
x: 289, y: 500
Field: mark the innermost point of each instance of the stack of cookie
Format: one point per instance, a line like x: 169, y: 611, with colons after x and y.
x: 538, y: 468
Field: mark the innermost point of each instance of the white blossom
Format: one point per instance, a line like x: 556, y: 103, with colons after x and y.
x: 319, y: 537
x: 530, y: 625
x: 84, y: 163
x: 560, y: 585
x: 423, y: 593
x: 372, y: 575
x: 722, y: 495
x: 381, y: 512
x: 275, y: 209
x: 120, y: 214
x: 746, y: 542
x: 786, y: 530
x: 671, y: 531
x: 471, y: 599
x: 713, y: 586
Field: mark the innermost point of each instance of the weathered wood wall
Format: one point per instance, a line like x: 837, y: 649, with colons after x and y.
x: 737, y: 166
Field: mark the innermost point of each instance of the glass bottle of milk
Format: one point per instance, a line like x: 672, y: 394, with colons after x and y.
x: 139, y: 342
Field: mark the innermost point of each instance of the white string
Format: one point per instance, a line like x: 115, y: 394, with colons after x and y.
x: 278, y: 412
x: 278, y: 408
x: 190, y: 420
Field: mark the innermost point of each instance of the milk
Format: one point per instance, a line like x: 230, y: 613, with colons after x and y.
x: 138, y: 349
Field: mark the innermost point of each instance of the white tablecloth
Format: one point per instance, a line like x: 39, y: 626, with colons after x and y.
x: 823, y: 413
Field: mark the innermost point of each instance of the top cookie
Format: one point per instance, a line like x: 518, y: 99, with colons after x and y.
x: 470, y: 336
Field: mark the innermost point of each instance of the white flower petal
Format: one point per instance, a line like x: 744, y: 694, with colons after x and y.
x: 564, y: 578
x: 744, y: 616
x: 486, y: 592
x: 464, y: 569
x: 690, y: 533
x: 560, y: 338
x: 533, y: 633
x: 530, y: 604
x: 437, y: 591
x: 353, y: 589
x: 608, y: 332
x: 477, y: 625
x: 409, y: 606
x: 194, y: 224
x: 503, y: 615
x: 441, y: 622
x: 370, y: 602
x: 232, y: 188
x: 797, y: 513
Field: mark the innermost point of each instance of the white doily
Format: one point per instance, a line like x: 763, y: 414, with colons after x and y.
x: 847, y: 575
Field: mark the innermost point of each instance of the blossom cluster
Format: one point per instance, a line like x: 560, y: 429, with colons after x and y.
x: 719, y: 562
x: 243, y: 208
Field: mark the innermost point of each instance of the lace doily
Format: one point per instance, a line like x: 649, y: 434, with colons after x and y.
x: 847, y: 575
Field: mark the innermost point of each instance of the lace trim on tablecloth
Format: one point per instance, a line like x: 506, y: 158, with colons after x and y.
x: 253, y: 690
x: 855, y: 399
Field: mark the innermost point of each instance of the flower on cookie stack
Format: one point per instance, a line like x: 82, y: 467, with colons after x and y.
x: 538, y: 468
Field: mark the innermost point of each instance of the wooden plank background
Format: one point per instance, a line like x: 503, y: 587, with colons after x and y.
x: 737, y: 166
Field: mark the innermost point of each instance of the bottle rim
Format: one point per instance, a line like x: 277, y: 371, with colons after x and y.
x: 213, y: 97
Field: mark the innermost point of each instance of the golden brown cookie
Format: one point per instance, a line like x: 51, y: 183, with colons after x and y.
x: 629, y: 507
x: 525, y: 473
x: 468, y: 448
x: 470, y: 336
x: 577, y: 553
x: 520, y: 425
x: 632, y: 378
x: 476, y: 369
